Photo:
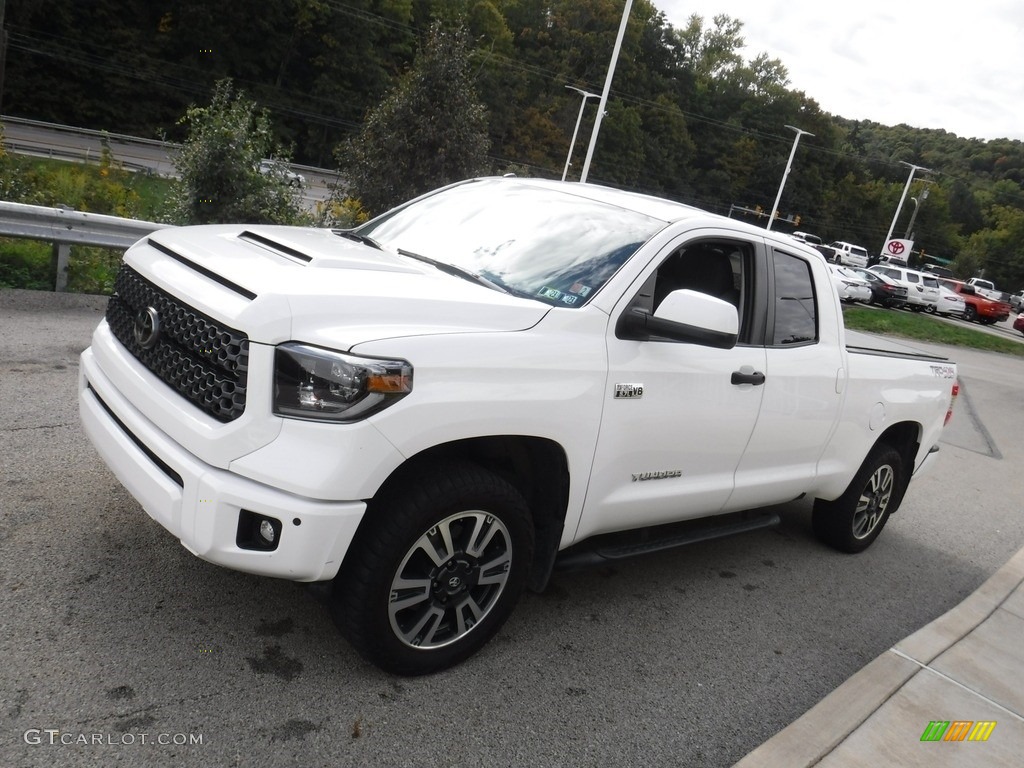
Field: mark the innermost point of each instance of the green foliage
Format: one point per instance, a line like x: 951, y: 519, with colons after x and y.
x: 429, y: 131
x: 92, y: 270
x: 999, y: 249
x: 25, y: 264
x: 340, y: 213
x: 219, y: 173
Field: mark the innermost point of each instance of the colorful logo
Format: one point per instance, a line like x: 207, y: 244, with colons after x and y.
x: 958, y: 730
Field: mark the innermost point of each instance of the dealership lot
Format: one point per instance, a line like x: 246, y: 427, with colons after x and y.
x: 121, y: 648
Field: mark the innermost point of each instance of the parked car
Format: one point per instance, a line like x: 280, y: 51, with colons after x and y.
x: 936, y: 270
x: 884, y: 290
x: 807, y: 237
x: 986, y: 288
x: 980, y: 308
x: 922, y: 289
x: 849, y: 285
x: 950, y: 303
x: 1018, y: 324
x: 283, y: 172
x: 849, y: 255
x: 1017, y: 301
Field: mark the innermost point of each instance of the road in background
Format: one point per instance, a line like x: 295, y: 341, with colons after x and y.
x: 32, y: 137
x: 115, y: 634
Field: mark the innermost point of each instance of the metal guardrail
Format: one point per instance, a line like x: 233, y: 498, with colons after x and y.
x: 64, y: 227
x: 131, y: 152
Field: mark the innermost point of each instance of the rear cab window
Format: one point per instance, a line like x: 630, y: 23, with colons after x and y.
x: 795, y: 307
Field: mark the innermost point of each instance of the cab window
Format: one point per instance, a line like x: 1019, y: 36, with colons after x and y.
x: 719, y: 268
x: 795, y: 306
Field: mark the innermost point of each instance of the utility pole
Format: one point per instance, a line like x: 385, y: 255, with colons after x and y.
x: 913, y: 169
x: 604, y: 93
x: 789, y: 164
x: 917, y: 207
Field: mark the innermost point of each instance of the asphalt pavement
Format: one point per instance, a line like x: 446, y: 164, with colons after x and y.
x: 121, y: 648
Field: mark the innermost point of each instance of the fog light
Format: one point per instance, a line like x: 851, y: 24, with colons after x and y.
x: 256, y: 531
x: 267, y: 532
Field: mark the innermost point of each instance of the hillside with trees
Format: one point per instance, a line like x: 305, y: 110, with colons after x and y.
x: 688, y: 118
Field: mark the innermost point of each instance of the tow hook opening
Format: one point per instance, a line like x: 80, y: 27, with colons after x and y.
x: 258, y: 532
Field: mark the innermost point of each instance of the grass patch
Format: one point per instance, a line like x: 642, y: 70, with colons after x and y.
x: 92, y: 187
x: 923, y: 327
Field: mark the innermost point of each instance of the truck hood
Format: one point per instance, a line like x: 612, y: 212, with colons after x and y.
x: 281, y: 283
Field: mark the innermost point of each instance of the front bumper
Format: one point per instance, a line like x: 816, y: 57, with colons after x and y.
x: 201, y: 504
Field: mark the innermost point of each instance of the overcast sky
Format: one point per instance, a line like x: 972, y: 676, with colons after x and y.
x: 929, y: 64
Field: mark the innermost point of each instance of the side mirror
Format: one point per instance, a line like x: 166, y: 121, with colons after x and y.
x: 687, y: 316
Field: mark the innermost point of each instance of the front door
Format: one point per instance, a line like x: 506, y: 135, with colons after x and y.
x: 675, y: 425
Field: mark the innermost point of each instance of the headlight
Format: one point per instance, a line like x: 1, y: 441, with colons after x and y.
x: 315, y: 383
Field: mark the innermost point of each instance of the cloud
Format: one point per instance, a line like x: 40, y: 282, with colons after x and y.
x: 908, y: 61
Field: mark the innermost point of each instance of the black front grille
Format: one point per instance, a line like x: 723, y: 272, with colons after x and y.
x: 203, y: 360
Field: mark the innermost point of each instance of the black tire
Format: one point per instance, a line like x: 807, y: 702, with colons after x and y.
x: 852, y: 522
x: 970, y: 313
x: 415, y: 595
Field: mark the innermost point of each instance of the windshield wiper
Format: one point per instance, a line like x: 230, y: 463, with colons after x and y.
x: 451, y: 269
x: 350, y: 235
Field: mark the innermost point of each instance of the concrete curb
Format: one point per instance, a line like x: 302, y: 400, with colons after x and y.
x: 822, y: 729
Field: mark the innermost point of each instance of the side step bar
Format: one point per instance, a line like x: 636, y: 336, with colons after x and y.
x: 602, y: 550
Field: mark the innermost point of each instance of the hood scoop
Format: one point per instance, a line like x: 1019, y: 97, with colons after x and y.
x: 278, y: 248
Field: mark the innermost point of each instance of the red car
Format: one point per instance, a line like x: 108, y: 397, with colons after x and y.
x: 1018, y: 324
x: 978, y: 307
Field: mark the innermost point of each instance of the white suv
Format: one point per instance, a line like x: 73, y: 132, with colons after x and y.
x: 849, y: 255
x: 922, y: 288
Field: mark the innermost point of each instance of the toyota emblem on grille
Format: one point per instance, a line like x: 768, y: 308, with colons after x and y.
x: 147, y: 328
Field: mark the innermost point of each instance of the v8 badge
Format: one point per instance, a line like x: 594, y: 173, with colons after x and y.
x: 628, y: 391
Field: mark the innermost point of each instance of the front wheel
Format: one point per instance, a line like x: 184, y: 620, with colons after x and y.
x: 970, y: 314
x: 852, y: 522
x: 436, y: 570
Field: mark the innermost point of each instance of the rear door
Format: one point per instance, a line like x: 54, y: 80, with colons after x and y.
x: 802, y: 390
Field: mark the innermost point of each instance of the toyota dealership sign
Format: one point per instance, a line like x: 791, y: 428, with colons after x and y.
x: 897, y: 250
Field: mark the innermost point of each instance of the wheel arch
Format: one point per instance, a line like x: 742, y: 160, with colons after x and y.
x: 905, y: 438
x: 537, y: 467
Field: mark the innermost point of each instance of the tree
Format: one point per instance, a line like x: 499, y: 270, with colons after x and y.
x: 430, y: 130
x: 221, y: 177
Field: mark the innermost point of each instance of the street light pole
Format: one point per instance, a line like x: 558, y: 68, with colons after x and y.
x: 604, y: 93
x: 917, y: 207
x: 789, y: 164
x: 913, y: 169
x: 583, y: 103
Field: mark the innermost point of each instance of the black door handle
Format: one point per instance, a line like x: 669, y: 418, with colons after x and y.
x: 756, y: 378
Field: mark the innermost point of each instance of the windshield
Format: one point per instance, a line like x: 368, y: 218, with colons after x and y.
x: 550, y: 245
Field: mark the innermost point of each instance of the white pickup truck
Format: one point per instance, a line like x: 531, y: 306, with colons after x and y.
x: 435, y: 410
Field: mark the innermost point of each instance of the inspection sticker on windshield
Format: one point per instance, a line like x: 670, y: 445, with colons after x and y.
x: 549, y: 293
x: 580, y: 289
x: 628, y: 391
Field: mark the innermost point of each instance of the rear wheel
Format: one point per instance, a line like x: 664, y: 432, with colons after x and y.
x: 436, y: 571
x: 852, y: 522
